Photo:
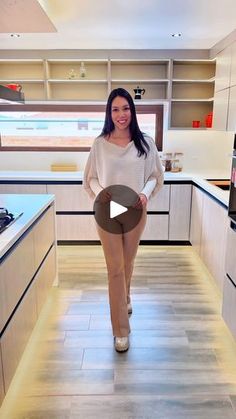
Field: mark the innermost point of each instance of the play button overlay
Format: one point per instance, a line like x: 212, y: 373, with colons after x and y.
x: 114, y: 209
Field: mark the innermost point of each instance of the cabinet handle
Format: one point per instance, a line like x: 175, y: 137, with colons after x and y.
x: 233, y: 226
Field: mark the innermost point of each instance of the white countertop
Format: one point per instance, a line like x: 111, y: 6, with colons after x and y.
x: 197, y: 177
x: 31, y: 206
x: 44, y: 175
x: 41, y: 176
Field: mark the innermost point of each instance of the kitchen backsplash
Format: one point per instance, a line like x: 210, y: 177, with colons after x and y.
x: 202, y: 150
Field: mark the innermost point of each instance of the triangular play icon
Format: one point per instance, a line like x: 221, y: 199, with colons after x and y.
x: 116, y: 209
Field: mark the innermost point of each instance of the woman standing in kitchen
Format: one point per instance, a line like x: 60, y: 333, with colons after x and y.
x: 122, y: 155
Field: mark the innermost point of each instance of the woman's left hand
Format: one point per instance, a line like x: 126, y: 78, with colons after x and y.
x: 141, y: 202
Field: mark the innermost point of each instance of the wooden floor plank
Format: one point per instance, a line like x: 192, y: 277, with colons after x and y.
x: 182, y: 359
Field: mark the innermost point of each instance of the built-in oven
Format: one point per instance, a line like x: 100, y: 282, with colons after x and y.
x: 232, y: 193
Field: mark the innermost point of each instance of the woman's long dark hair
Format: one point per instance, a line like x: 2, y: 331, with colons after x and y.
x: 136, y: 135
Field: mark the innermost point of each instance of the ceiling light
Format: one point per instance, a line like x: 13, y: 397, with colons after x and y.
x: 15, y: 35
x: 176, y: 35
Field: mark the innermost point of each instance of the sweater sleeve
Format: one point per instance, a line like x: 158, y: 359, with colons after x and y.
x: 154, y: 174
x: 90, y: 180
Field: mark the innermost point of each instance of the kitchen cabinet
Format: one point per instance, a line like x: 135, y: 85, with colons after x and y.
x: 220, y: 111
x: 44, y: 279
x: 224, y: 112
x: 229, y: 305
x: 229, y: 294
x: 208, y: 231
x: 196, y: 218
x: 44, y: 236
x: 2, y: 392
x: 223, y: 69
x: 161, y: 201
x: 27, y: 271
x: 76, y: 227
x: 16, y: 335
x: 70, y: 197
x: 232, y: 109
x: 74, y: 211
x: 213, y: 239
x: 233, y: 65
x: 13, y: 271
x: 156, y: 227
x: 179, y: 216
x: 18, y: 188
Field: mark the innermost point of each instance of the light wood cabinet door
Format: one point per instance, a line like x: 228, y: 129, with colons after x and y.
x: 16, y: 271
x: 233, y: 65
x: 229, y: 293
x: 44, y: 235
x: 232, y: 110
x: 220, y: 110
x: 196, y: 218
x: 229, y: 305
x: 76, y: 227
x: 156, y: 227
x: 16, y: 335
x: 23, y: 189
x: 179, y: 217
x: 230, y: 259
x: 160, y: 202
x: 2, y: 392
x: 71, y: 197
x: 223, y: 68
x: 213, y: 241
x: 45, y: 278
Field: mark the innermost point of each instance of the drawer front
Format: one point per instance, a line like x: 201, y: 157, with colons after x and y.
x: 44, y: 235
x: 16, y: 271
x: 229, y: 305
x: 160, y: 202
x: 71, y: 198
x: 44, y: 278
x: 2, y: 393
x: 180, y: 204
x: 15, y: 337
x: 230, y: 264
x: 156, y: 227
x: 76, y: 227
x: 23, y: 189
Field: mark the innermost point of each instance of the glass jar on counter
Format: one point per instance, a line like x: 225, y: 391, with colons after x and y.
x: 178, y: 157
x: 167, y: 161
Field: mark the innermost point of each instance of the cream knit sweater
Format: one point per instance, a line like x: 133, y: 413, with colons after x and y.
x: 109, y: 164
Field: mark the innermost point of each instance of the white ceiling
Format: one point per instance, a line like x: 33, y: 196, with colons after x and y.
x: 125, y: 24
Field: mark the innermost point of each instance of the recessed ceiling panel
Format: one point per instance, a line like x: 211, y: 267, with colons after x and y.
x: 24, y: 16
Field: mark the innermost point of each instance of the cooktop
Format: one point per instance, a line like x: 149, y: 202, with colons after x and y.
x: 7, y: 218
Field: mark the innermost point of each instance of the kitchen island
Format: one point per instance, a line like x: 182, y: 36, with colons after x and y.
x: 28, y: 269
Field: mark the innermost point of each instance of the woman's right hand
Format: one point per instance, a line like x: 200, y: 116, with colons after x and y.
x: 104, y: 197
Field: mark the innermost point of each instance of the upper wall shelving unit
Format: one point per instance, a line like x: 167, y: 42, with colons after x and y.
x: 192, y: 92
x: 187, y: 85
x: 151, y: 75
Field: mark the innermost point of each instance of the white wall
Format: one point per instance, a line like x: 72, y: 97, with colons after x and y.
x: 203, y: 150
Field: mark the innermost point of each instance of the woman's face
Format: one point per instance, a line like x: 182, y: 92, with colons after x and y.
x: 120, y: 113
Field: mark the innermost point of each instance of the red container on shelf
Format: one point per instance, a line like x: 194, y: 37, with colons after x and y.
x: 196, y: 124
x: 208, y: 120
x: 14, y: 86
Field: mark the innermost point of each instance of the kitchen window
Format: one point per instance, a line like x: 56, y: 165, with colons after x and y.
x: 65, y: 127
